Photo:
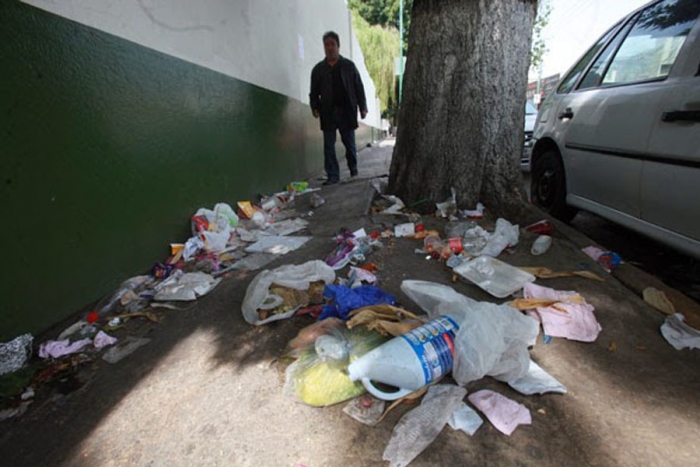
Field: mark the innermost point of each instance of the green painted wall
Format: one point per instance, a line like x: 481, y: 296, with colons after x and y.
x: 108, y: 148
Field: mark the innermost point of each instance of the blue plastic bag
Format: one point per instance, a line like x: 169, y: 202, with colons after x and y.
x: 346, y: 299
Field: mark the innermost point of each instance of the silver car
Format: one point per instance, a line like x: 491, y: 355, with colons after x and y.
x: 621, y: 135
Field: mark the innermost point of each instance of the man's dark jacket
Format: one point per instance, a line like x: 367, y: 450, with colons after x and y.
x: 321, y: 95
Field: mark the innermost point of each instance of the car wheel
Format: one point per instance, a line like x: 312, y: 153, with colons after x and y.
x: 548, y: 188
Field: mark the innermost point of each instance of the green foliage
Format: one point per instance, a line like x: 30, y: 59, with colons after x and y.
x: 384, y: 13
x: 379, y: 46
x: 538, y: 46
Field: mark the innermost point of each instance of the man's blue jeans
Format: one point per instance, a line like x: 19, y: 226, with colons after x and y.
x: 329, y: 158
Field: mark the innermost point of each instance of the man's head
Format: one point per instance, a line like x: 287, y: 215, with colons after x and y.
x: 331, y: 46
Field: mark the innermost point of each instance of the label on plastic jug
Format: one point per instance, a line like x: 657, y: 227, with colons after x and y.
x: 433, y: 344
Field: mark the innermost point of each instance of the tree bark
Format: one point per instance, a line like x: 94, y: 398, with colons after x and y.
x: 463, y: 108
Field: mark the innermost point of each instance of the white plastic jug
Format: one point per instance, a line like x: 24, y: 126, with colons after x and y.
x: 410, y: 361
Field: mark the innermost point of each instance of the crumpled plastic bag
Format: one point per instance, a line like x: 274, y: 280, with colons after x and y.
x: 396, y: 207
x: 537, y: 381
x: 492, y: 340
x: 221, y: 220
x: 506, y: 235
x: 297, y: 277
x: 679, y: 334
x: 319, y: 376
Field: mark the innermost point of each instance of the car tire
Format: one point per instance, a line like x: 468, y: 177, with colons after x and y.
x: 548, y: 186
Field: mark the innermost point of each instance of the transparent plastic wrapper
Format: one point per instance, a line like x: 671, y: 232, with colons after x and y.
x: 255, y: 261
x: 277, y: 244
x: 185, y: 287
x: 494, y: 276
x: 15, y: 353
x: 492, y: 340
x: 419, y: 427
x: 286, y: 227
x: 107, y: 305
x: 458, y: 228
x: 124, y: 348
x: 319, y: 377
x: 293, y: 276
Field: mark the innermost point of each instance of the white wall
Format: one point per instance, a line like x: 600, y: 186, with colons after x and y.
x: 272, y: 44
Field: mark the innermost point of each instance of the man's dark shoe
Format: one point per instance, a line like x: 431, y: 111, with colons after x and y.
x: 330, y: 182
x: 353, y: 173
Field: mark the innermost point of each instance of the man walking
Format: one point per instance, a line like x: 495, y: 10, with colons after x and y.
x: 336, y: 94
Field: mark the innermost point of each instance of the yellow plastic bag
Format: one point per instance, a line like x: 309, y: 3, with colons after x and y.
x: 319, y: 376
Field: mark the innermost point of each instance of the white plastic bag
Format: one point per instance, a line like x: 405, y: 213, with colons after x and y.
x: 506, y: 235
x: 492, y: 340
x: 294, y: 276
x: 215, y: 242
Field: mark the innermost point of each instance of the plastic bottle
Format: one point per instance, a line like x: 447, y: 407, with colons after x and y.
x: 410, y: 361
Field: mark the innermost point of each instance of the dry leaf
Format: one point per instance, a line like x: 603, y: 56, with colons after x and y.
x: 546, y: 273
x: 531, y: 303
x: 588, y: 275
x: 141, y: 314
x: 658, y: 300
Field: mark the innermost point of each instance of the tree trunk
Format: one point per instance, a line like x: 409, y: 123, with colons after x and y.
x: 463, y: 108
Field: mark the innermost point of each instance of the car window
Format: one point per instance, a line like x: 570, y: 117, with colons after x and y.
x: 651, y: 47
x: 595, y: 72
x: 570, y: 79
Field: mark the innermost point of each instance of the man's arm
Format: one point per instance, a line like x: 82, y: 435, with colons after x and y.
x: 314, y: 94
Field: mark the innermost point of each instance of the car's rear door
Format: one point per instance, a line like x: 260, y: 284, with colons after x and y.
x: 670, y: 186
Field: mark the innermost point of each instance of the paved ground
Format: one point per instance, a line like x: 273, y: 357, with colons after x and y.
x: 207, y: 390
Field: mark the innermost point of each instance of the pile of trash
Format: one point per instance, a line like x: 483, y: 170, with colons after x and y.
x: 222, y: 240
x: 363, y: 344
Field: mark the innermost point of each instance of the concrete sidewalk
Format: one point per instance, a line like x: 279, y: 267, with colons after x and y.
x: 207, y: 390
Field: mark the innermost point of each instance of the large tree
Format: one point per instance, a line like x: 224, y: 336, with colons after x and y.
x: 462, y: 112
